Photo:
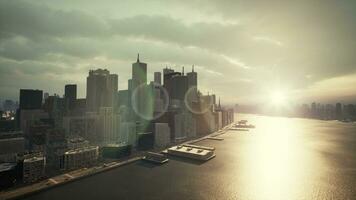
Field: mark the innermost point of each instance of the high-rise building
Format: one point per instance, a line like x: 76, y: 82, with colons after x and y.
x: 314, y: 110
x: 192, y: 78
x: 109, y: 125
x: 56, y: 145
x: 179, y: 87
x: 29, y: 117
x: 157, y: 78
x: 176, y: 84
x: 193, y: 85
x: 350, y: 111
x: 138, y: 91
x: 185, y: 126
x: 112, y: 86
x: 123, y: 98
x: 128, y: 133
x: 101, y: 89
x: 338, y: 111
x: 139, y: 73
x: 162, y: 134
x: 166, y: 74
x: 55, y: 106
x: 30, y: 99
x: 70, y: 95
x: 86, y: 126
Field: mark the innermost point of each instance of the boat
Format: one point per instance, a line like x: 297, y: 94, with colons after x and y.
x: 244, y: 126
x: 191, y: 152
x: 199, y: 147
x: 239, y: 129
x: 215, y: 138
x: 156, y: 158
x: 242, y: 122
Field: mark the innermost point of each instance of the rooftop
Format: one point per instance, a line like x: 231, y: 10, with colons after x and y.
x: 7, y: 166
x: 34, y: 159
x: 83, y: 149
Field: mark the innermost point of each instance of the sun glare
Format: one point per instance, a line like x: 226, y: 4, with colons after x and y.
x: 278, y: 98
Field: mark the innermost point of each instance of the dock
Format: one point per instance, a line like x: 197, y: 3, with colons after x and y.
x: 156, y: 158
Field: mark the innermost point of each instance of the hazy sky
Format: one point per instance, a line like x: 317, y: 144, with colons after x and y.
x: 242, y: 50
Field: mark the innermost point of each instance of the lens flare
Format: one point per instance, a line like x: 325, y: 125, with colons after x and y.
x: 150, y: 101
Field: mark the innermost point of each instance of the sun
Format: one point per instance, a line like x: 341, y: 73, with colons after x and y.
x: 278, y: 98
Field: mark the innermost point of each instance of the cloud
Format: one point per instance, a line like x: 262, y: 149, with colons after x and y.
x: 37, y: 21
x: 339, y: 88
x: 294, y: 43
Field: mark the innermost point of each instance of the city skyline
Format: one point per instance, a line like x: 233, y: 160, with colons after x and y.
x: 259, y: 47
x: 176, y: 99
x: 48, y: 134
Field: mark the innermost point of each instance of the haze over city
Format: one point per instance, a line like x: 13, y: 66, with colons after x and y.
x: 177, y: 99
x: 245, y: 51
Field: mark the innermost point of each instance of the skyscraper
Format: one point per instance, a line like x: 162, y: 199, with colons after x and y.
x: 138, y: 86
x: 179, y: 87
x: 338, y: 111
x: 192, y: 78
x: 157, y: 78
x: 139, y: 73
x: 193, y: 85
x: 167, y: 74
x: 101, y: 89
x: 70, y: 95
x: 30, y: 99
x: 176, y: 84
x: 109, y: 125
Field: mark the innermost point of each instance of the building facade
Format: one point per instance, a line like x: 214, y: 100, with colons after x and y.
x: 81, y: 157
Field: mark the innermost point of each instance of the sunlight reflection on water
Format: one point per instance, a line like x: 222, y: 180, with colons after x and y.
x: 278, y: 162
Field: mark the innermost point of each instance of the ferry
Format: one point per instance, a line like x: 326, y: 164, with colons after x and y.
x: 239, y: 129
x: 155, y: 158
x: 191, y: 152
x: 215, y: 138
x: 243, y: 124
x: 199, y: 147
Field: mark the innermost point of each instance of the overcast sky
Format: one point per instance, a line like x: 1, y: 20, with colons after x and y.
x: 242, y: 50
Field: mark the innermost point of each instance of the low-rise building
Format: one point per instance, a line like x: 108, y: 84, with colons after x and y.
x: 76, y: 143
x: 12, y: 145
x: 115, y: 151
x: 33, y: 168
x: 7, y: 175
x: 81, y: 157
